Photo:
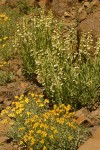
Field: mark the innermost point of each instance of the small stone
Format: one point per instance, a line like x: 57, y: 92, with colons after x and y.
x: 80, y: 9
x: 67, y: 14
x: 86, y: 4
x: 19, y: 72
x: 7, y: 103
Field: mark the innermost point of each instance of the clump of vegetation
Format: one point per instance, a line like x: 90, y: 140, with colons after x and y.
x: 64, y: 66
x: 6, y: 77
x: 34, y: 126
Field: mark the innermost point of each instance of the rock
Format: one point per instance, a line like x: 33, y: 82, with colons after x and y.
x: 84, y: 121
x: 80, y: 9
x: 86, y: 4
x: 82, y: 112
x: 7, y: 103
x: 1, y: 99
x: 8, y: 147
x: 30, y: 2
x: 92, y: 143
x: 66, y: 14
x: 19, y: 72
x: 12, y: 3
x: 95, y: 116
x: 61, y: 6
x: 3, y: 128
x: 3, y: 2
x: 91, y: 23
x: 3, y: 139
x: 96, y: 113
x: 82, y: 15
x: 43, y: 3
x: 96, y: 134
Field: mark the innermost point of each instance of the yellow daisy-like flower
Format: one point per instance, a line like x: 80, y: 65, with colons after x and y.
x: 26, y: 100
x: 4, y: 121
x: 51, y: 136
x: 44, y: 148
x: 5, y: 38
x: 41, y: 105
x: 21, y: 142
x: 44, y: 134
x: 3, y: 45
x: 42, y: 141
x: 46, y: 101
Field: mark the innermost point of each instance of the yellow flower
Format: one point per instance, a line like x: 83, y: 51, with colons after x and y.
x: 21, y: 97
x: 32, y: 141
x: 35, y: 125
x: 41, y: 105
x: 8, y: 107
x: 30, y: 132
x: 11, y: 123
x: 4, y: 63
x: 41, y: 96
x: 25, y: 138
x: 51, y: 136
x: 52, y: 128
x: 3, y: 45
x: 28, y: 113
x: 70, y: 138
x: 16, y: 97
x: 42, y: 141
x: 32, y: 94
x: 43, y: 126
x: 5, y: 38
x: 38, y: 101
x: 4, y: 121
x: 21, y: 142
x: 60, y: 120
x: 4, y: 112
x: 39, y: 131
x: 44, y: 134
x: 55, y: 131
x: 21, y: 129
x: 68, y: 108
x: 46, y: 101
x: 11, y: 115
x: 19, y: 111
x: 44, y: 148
x: 26, y: 100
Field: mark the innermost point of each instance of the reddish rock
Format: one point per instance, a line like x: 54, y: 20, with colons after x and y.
x: 84, y: 121
x: 8, y: 147
x: 93, y: 143
x: 91, y: 23
x: 82, y: 112
x: 3, y: 139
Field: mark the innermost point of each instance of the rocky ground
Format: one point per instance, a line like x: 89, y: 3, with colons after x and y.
x: 87, y: 15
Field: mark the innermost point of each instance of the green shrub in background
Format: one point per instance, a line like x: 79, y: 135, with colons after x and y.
x: 64, y: 66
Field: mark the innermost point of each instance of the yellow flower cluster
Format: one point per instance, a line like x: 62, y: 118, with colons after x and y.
x: 37, y: 126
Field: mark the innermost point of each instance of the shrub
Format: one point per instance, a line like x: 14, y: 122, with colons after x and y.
x: 35, y: 126
x: 63, y: 64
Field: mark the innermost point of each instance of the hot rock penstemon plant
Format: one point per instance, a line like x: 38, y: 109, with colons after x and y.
x: 35, y: 127
x: 63, y: 64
